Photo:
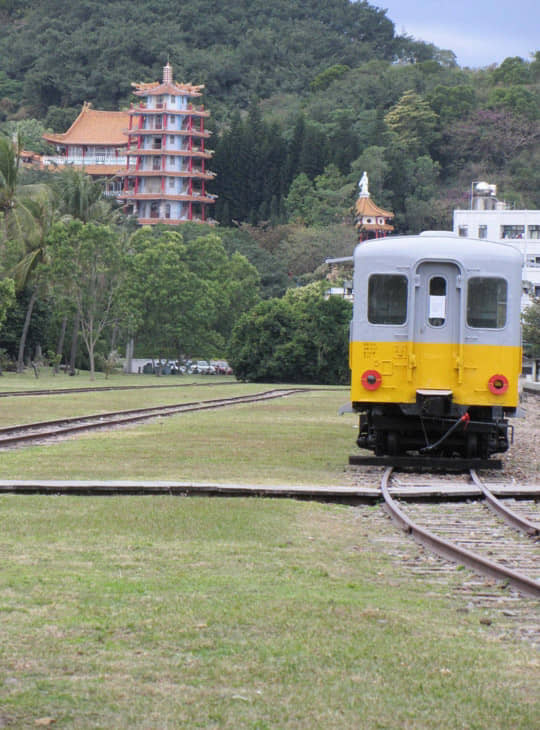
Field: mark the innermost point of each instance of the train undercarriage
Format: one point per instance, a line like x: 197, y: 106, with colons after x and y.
x: 433, y: 427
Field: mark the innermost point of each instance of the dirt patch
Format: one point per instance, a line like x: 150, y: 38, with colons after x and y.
x: 522, y: 461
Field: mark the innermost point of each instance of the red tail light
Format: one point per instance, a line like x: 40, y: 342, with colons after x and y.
x: 371, y: 379
x: 498, y: 384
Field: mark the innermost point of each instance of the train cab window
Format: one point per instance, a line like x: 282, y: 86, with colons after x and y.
x: 387, y: 299
x: 437, y: 301
x: 486, y: 302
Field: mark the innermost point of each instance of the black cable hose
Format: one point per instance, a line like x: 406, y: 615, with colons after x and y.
x: 465, y: 418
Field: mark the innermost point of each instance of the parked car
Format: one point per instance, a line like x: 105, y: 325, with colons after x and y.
x: 222, y: 367
x: 202, y: 367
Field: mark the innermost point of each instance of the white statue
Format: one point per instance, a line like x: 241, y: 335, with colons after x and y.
x: 363, y: 184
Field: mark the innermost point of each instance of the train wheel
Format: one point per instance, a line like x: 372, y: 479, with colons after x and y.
x: 392, y: 441
x: 471, y: 446
x: 380, y: 443
x: 484, y: 446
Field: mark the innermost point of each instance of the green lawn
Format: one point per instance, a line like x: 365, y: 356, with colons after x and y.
x: 168, y: 612
x: 299, y: 439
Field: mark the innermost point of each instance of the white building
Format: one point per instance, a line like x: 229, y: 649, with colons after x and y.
x: 493, y: 220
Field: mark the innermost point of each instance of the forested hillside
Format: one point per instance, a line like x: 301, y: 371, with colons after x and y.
x: 60, y: 52
x: 303, y: 97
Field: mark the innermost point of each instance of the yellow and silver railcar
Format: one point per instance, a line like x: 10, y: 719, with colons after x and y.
x: 435, y: 347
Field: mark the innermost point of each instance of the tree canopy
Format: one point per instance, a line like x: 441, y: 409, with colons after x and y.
x: 301, y: 338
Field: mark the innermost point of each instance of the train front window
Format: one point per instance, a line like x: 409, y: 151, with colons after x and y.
x: 387, y: 299
x: 437, y: 301
x: 486, y: 302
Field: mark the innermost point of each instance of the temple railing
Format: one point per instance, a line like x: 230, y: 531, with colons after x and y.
x: 86, y: 160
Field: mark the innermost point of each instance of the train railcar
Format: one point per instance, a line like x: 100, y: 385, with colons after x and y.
x: 435, y: 346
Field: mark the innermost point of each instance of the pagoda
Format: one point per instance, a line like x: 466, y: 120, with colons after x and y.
x: 95, y: 142
x: 371, y: 221
x: 165, y: 176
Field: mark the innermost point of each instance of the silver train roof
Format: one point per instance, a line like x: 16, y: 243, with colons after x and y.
x: 438, y: 245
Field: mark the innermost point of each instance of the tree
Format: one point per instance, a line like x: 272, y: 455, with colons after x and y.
x: 9, y: 169
x: 29, y: 132
x: 301, y: 338
x: 7, y: 297
x: 494, y: 137
x: 31, y: 270
x: 513, y: 70
x: 531, y: 329
x: 165, y: 303
x: 517, y: 99
x: 329, y: 75
x: 27, y: 213
x: 300, y: 201
x: 185, y: 295
x: 413, y: 122
x: 90, y: 260
x: 452, y: 102
x: 81, y: 196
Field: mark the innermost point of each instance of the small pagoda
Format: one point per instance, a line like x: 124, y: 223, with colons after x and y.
x: 165, y: 176
x: 370, y: 220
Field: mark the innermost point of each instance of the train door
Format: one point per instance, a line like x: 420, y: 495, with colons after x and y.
x: 437, y: 324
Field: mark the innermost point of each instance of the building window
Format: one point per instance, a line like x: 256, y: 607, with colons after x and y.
x: 512, y: 231
x: 172, y: 161
x: 463, y: 231
x: 486, y: 302
x: 387, y: 299
x: 534, y: 232
x: 482, y: 231
x: 156, y: 163
x: 171, y: 182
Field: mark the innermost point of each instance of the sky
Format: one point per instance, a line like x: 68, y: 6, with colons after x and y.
x: 479, y: 32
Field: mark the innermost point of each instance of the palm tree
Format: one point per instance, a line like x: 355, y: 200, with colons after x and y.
x: 9, y: 168
x: 29, y: 271
x: 81, y: 196
x: 27, y: 213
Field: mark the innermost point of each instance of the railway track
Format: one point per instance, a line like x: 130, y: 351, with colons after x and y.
x: 104, y: 388
x: 23, y: 434
x: 465, y: 533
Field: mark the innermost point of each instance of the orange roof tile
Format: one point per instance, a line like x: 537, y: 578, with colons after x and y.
x: 365, y: 206
x: 93, y: 127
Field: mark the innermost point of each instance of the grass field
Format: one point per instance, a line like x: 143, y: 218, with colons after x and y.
x: 300, y: 439
x: 170, y: 612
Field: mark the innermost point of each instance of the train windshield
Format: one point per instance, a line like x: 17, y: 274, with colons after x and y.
x: 387, y: 299
x: 486, y: 302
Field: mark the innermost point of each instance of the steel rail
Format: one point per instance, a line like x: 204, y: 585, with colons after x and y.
x: 452, y: 552
x: 102, y: 388
x: 51, y: 429
x: 495, y: 504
